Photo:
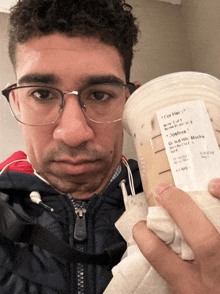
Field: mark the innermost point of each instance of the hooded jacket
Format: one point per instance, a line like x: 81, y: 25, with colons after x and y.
x: 87, y: 226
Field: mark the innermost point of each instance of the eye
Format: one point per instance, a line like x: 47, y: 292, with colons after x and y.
x: 100, y: 95
x: 43, y: 94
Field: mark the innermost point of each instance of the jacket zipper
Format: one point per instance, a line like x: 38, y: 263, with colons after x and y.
x: 80, y: 236
x: 80, y: 233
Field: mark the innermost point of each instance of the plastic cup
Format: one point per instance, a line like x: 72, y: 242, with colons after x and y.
x: 175, y: 124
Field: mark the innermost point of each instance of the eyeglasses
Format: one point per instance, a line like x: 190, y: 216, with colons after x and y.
x: 42, y: 106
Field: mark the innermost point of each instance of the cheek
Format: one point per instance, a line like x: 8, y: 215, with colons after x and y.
x: 36, y: 142
x: 111, y: 138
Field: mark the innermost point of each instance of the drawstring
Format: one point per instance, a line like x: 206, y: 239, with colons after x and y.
x: 124, y: 193
x: 36, y: 198
x: 42, y: 179
x: 10, y: 164
x: 36, y: 174
x: 35, y: 195
x: 130, y: 176
x: 127, y: 199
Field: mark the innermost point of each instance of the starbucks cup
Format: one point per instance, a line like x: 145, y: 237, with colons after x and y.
x: 175, y: 124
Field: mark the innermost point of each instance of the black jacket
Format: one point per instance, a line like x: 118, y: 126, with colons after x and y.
x: 26, y: 268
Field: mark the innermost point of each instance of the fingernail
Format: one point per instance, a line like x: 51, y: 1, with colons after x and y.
x: 161, y: 187
x: 213, y: 185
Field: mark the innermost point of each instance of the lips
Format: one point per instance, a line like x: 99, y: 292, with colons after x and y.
x: 77, y: 166
x: 76, y: 161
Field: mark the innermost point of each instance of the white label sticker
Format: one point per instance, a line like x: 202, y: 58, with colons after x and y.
x: 190, y: 144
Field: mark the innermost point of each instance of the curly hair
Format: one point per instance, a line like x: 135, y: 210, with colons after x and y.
x: 109, y: 20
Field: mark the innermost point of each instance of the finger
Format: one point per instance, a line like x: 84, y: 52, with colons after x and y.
x: 163, y: 259
x: 214, y: 187
x: 197, y: 230
x: 181, y: 276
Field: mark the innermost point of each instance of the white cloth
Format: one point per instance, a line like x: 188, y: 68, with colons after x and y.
x: 160, y: 222
x: 134, y: 275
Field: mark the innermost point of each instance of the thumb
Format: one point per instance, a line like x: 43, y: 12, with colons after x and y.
x: 214, y: 187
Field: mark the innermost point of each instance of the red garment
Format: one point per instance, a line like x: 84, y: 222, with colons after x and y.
x: 20, y: 166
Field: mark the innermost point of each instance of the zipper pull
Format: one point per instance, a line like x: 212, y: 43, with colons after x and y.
x: 80, y: 233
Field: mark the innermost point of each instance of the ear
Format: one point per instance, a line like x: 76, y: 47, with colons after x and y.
x: 137, y: 84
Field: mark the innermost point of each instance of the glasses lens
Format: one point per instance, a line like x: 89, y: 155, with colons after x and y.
x: 104, y: 103
x: 36, y: 106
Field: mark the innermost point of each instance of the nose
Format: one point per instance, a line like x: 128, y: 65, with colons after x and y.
x: 72, y: 128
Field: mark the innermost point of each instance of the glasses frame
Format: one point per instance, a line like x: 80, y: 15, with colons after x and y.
x: 6, y: 92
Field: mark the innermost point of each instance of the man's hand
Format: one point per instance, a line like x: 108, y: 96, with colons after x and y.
x: 201, y: 276
x: 214, y: 188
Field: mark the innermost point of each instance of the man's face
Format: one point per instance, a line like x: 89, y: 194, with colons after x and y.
x: 75, y: 155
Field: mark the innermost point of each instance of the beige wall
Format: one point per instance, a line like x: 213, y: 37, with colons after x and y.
x: 202, y: 24
x: 173, y: 38
x: 10, y: 134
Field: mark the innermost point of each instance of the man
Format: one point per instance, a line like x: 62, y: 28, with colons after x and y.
x: 72, y: 61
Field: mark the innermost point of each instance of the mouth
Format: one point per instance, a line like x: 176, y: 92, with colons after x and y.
x: 76, y: 167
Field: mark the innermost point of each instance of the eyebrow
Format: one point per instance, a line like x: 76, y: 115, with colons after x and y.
x: 103, y: 79
x: 38, y: 78
x: 52, y: 79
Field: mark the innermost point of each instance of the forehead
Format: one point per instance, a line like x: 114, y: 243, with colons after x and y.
x: 68, y: 58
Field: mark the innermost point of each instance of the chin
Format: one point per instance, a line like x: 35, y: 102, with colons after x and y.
x: 79, y: 187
